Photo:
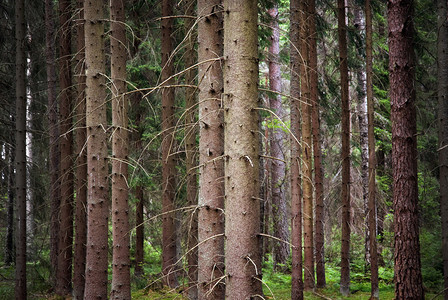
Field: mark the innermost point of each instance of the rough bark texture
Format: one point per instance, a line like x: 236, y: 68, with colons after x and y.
x: 345, y: 155
x: 307, y: 178
x: 191, y: 161
x: 9, y: 247
x: 64, y: 270
x: 121, y: 279
x: 296, y: 207
x: 318, y: 172
x: 408, y: 278
x: 442, y: 58
x: 277, y: 165
x: 97, y: 166
x: 168, y: 159
x: 211, y: 149
x: 243, y: 259
x: 20, y: 153
x: 79, y: 260
x: 372, y: 226
x: 55, y: 199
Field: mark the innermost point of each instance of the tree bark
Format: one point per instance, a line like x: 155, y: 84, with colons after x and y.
x: 407, y: 276
x: 211, y: 149
x: 243, y: 259
x: 442, y: 76
x: 20, y: 151
x: 190, y: 148
x: 79, y: 260
x: 296, y: 206
x: 372, y: 208
x: 54, y: 156
x: 64, y: 270
x: 318, y: 172
x: 345, y: 155
x: 277, y: 165
x: 9, y: 247
x: 97, y: 166
x: 121, y: 278
x: 168, y: 159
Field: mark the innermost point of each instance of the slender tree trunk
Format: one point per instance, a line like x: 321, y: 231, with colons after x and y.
x: 97, y: 166
x: 243, y: 260
x: 408, y: 277
x: 64, y: 271
x: 442, y: 68
x: 20, y: 153
x: 168, y: 160
x: 211, y: 148
x: 54, y: 155
x: 296, y: 206
x: 318, y: 173
x: 79, y: 262
x: 372, y: 157
x: 361, y: 90
x: 9, y: 247
x: 121, y: 279
x: 190, y: 149
x: 278, y: 165
x: 345, y: 193
x: 307, y: 183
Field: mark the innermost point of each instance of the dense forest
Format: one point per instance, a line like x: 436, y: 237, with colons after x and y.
x: 224, y: 149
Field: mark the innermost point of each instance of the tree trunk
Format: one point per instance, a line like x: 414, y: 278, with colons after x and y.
x: 20, y: 153
x: 121, y: 278
x: 307, y: 183
x: 345, y: 156
x: 9, y: 247
x: 169, y: 252
x: 278, y: 165
x: 318, y: 173
x: 372, y: 158
x: 296, y: 207
x: 79, y: 261
x: 211, y: 150
x: 243, y: 259
x: 361, y: 90
x: 408, y: 277
x: 442, y: 69
x: 54, y: 156
x: 190, y: 148
x: 97, y: 166
x: 64, y: 270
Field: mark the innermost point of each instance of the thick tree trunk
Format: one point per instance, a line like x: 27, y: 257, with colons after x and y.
x: 54, y: 155
x: 442, y: 69
x: 243, y: 259
x: 211, y: 150
x: 318, y: 172
x: 307, y: 182
x: 190, y: 149
x: 372, y: 157
x: 79, y: 260
x: 408, y: 277
x: 345, y: 155
x: 121, y: 277
x: 296, y: 207
x: 64, y: 271
x: 20, y: 153
x: 278, y: 165
x: 97, y: 166
x: 169, y: 252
